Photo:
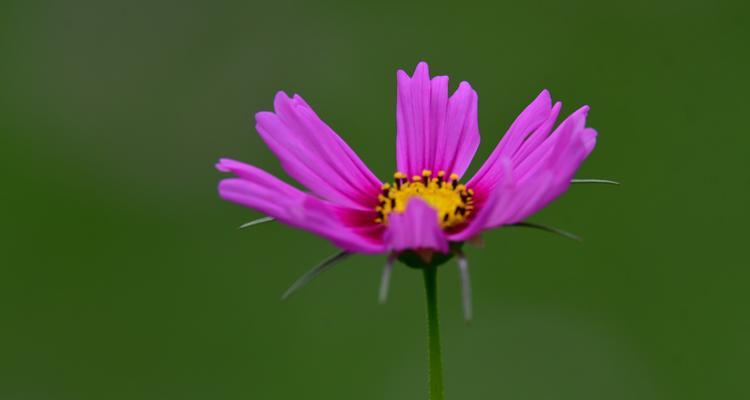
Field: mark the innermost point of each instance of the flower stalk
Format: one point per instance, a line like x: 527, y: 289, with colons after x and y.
x: 434, y: 349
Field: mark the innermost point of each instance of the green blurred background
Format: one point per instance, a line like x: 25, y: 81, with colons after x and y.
x: 124, y: 277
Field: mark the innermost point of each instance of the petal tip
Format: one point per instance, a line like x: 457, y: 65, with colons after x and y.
x: 225, y: 164
x: 280, y: 95
x: 280, y: 99
x: 264, y: 118
x: 588, y: 135
x: 545, y: 97
x: 464, y: 86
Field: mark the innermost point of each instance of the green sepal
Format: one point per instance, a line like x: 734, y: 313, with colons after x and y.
x: 412, y: 260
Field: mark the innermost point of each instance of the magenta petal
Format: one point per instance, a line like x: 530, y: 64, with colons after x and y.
x: 541, y: 176
x: 567, y: 155
x: 566, y: 146
x: 532, y: 117
x: 538, y: 136
x: 509, y: 203
x: 553, y: 163
x: 434, y: 131
x: 313, y: 154
x: 589, y: 139
x: 416, y: 228
x: 462, y: 132
x: 259, y: 190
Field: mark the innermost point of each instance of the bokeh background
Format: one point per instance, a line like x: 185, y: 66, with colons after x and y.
x: 124, y: 277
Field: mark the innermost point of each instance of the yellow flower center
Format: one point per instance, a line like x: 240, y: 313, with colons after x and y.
x: 452, y: 201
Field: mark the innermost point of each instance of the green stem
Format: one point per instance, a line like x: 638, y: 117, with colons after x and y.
x: 434, y: 352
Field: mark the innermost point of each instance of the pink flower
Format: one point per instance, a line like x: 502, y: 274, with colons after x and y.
x: 426, y: 207
x: 423, y: 216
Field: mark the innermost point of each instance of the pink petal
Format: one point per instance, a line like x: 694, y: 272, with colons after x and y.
x: 528, y: 122
x: 416, y: 228
x: 555, y: 161
x: 589, y: 139
x: 524, y: 187
x: 313, y: 154
x: 538, y: 136
x: 566, y: 145
x: 508, y: 204
x: 434, y: 132
x: 262, y: 191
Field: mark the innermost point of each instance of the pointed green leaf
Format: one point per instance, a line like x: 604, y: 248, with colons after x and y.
x: 463, y: 269
x: 314, y: 272
x: 385, y: 280
x: 256, y: 222
x: 551, y: 229
x: 600, y: 181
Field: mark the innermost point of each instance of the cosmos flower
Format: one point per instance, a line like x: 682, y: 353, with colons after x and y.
x: 427, y: 210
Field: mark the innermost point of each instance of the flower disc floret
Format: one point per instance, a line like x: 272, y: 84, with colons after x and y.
x: 453, y: 201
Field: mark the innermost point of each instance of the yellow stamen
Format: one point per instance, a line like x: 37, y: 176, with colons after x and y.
x: 453, y: 202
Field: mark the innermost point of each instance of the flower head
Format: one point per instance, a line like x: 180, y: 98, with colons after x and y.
x: 427, y: 211
x: 427, y: 206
